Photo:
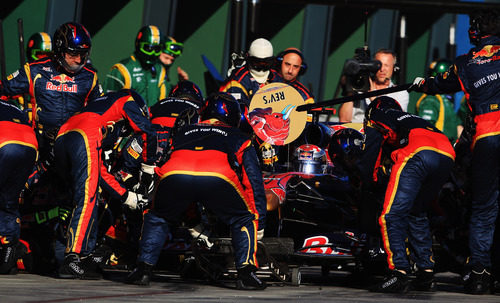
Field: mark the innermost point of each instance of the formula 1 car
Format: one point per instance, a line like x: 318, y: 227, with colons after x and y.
x: 317, y: 213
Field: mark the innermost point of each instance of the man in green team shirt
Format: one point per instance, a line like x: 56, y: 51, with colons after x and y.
x: 142, y: 71
x: 439, y: 109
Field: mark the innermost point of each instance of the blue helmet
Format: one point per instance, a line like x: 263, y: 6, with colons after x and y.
x: 71, y: 38
x: 187, y: 90
x: 223, y: 107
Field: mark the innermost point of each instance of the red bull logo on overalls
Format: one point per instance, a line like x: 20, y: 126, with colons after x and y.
x: 62, y: 83
x: 486, y: 52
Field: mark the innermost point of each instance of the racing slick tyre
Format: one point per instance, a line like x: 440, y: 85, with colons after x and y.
x: 296, y: 276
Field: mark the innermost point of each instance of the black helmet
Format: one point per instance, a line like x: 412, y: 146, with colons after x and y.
x: 71, y: 38
x: 148, y: 44
x: 223, y: 107
x: 382, y: 103
x: 39, y: 46
x: 346, y: 145
x: 483, y: 22
x: 187, y: 90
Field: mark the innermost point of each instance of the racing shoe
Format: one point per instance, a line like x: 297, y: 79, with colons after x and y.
x: 8, y: 260
x: 75, y: 267
x: 141, y: 275
x: 424, y: 281
x: 478, y: 281
x: 395, y: 282
x: 248, y: 280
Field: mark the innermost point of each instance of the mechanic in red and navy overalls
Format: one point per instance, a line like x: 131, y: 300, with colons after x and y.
x: 78, y: 151
x: 477, y: 74
x: 213, y: 163
x: 18, y: 152
x: 423, y: 158
x: 59, y: 85
x: 184, y: 101
x: 245, y: 81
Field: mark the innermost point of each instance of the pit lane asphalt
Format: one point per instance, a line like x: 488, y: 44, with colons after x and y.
x: 336, y: 287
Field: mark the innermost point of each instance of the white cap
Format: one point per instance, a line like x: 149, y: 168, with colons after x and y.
x: 261, y: 48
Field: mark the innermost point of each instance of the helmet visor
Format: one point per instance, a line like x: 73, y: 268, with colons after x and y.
x: 173, y: 48
x: 150, y: 49
x: 84, y: 52
x: 310, y: 167
x: 38, y: 54
x: 260, y: 64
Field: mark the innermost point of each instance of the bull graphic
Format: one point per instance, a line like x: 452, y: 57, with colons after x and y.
x: 486, y: 52
x: 273, y: 128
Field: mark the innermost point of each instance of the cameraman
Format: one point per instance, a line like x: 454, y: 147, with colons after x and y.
x: 354, y: 111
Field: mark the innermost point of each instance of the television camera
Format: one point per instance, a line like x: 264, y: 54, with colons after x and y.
x: 357, y: 70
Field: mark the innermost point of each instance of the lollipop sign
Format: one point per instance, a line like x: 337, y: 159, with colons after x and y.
x: 273, y: 114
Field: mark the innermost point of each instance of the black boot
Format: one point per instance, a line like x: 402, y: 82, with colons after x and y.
x: 247, y: 280
x: 75, y: 267
x: 478, y: 281
x: 8, y: 260
x: 141, y: 275
x: 424, y: 281
x: 395, y: 282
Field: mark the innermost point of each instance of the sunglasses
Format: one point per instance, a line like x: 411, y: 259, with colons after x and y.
x: 173, y: 48
x: 150, y: 49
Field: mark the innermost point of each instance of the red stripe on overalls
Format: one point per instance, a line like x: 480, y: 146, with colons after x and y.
x: 486, y: 125
x: 89, y: 127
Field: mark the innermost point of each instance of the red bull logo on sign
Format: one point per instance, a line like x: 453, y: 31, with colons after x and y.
x: 62, y: 83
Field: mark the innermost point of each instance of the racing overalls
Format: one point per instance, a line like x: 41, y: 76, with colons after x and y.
x: 150, y: 82
x: 477, y: 75
x: 243, y: 86
x: 164, y: 113
x: 18, y: 151
x: 78, y: 151
x: 423, y: 158
x: 216, y: 165
x: 55, y: 96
